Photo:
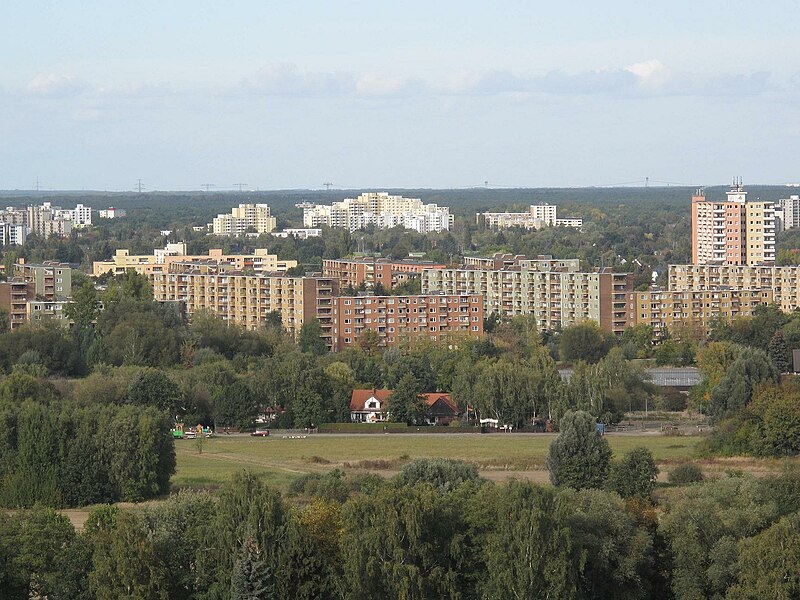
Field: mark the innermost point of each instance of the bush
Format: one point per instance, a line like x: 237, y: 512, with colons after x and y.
x: 443, y: 473
x: 685, y: 474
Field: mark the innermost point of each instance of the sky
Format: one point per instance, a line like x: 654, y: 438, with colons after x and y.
x: 375, y: 94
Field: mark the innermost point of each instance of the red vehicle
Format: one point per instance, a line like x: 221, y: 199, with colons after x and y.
x: 260, y: 432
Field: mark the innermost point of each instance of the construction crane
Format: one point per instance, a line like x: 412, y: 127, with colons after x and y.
x: 207, y: 186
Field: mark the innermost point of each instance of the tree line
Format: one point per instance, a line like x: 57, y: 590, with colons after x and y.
x: 435, y: 531
x: 63, y: 454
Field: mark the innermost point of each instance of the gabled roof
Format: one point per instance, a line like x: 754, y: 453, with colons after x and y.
x: 359, y: 397
x: 431, y: 399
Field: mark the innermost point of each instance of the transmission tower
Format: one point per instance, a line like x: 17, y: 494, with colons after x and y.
x: 207, y: 186
x: 139, y: 186
x: 328, y: 185
x: 239, y: 185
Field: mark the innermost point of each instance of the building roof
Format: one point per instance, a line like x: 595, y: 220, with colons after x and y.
x: 358, y: 398
x: 431, y: 399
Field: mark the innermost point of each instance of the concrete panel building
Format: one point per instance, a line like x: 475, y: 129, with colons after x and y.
x: 402, y: 319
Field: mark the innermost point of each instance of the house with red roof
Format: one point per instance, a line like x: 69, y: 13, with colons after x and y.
x: 372, y: 406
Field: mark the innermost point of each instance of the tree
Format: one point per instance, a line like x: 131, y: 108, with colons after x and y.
x: 125, y: 563
x: 523, y: 543
x: 779, y: 352
x: 635, y: 475
x: 584, y: 341
x: 406, y: 405
x: 152, y: 387
x: 579, y: 457
x: 735, y: 389
x: 767, y: 563
x: 251, y: 578
x: 311, y: 340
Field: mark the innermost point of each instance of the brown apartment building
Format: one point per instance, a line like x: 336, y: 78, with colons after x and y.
x: 353, y: 272
x: 400, y: 319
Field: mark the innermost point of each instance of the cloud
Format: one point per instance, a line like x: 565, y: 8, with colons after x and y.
x: 376, y: 85
x: 287, y: 79
x: 56, y: 86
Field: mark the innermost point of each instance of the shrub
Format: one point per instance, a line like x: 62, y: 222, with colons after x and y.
x: 443, y: 473
x: 685, y: 474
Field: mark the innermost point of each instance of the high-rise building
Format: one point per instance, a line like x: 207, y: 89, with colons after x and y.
x: 782, y: 281
x: 402, y: 319
x: 248, y: 300
x: 353, y: 272
x: 557, y: 295
x: 379, y: 209
x: 667, y: 310
x: 242, y: 218
x: 787, y: 213
x: 13, y: 235
x: 735, y: 231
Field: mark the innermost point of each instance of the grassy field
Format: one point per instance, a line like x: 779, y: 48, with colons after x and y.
x: 282, y: 460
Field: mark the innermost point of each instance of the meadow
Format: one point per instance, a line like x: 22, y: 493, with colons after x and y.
x: 498, y: 456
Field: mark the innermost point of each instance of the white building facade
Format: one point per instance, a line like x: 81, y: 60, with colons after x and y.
x: 381, y: 210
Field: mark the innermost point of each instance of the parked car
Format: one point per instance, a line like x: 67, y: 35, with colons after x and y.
x: 260, y: 432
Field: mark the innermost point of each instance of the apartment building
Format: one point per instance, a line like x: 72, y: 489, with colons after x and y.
x: 242, y: 218
x: 557, y: 296
x: 782, y: 281
x: 354, y: 272
x: 787, y: 213
x: 248, y: 299
x: 14, y: 296
x: 381, y: 210
x: 537, y: 216
x: 23, y: 305
x: 298, y: 233
x: 542, y: 262
x: 112, y: 213
x: 736, y: 231
x: 51, y: 280
x: 666, y: 309
x: 145, y: 264
x: 403, y: 319
x: 13, y: 235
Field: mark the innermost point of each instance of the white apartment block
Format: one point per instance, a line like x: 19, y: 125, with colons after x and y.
x: 379, y: 209
x: 300, y: 234
x: 787, y: 213
x: 538, y: 216
x: 13, y: 235
x: 242, y: 218
x: 46, y: 220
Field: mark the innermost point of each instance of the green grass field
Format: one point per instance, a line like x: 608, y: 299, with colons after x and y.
x: 280, y: 461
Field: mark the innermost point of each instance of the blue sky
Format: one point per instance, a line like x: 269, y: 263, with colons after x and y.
x: 415, y: 94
